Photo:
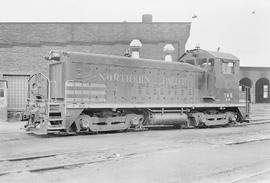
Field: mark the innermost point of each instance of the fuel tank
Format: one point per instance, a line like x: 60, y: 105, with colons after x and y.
x: 168, y: 118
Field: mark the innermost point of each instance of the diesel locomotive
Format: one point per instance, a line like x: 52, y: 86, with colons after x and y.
x: 96, y: 93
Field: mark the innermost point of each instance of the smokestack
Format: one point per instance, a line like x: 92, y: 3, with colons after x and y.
x: 135, y: 46
x: 147, y: 18
x: 168, y: 49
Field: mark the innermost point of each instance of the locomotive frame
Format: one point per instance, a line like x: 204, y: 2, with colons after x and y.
x: 95, y: 93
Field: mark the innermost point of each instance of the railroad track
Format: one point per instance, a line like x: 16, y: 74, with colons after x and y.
x: 252, y: 177
x: 62, y: 160
x: 53, y: 161
x: 259, y: 121
x: 54, y: 167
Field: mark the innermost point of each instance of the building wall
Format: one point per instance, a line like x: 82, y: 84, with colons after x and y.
x: 256, y: 75
x: 24, y: 45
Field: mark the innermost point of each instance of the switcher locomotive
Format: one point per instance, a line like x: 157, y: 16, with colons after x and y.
x: 96, y: 93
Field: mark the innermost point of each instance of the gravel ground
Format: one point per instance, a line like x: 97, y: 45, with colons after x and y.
x: 232, y: 154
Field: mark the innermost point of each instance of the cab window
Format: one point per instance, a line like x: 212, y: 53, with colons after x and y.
x: 211, y: 61
x: 2, y: 93
x: 2, y: 89
x: 227, y: 67
x: 192, y: 62
x: 201, y: 61
x: 206, y: 63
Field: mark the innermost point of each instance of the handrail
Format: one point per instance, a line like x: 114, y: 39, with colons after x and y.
x: 54, y: 88
x: 48, y: 84
x: 247, y: 101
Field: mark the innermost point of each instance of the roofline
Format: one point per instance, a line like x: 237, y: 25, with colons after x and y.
x: 181, y: 56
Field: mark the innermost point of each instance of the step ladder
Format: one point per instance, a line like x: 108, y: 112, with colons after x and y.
x: 55, y: 117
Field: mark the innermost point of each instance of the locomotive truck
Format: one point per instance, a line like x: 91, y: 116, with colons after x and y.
x: 96, y: 93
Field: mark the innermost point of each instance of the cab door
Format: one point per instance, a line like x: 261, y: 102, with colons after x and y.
x: 227, y: 74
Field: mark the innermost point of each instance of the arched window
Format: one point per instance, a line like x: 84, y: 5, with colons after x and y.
x: 262, y: 91
x: 244, y: 86
x: 245, y: 82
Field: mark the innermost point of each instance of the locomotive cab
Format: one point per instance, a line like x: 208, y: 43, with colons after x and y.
x: 221, y: 73
x: 87, y: 92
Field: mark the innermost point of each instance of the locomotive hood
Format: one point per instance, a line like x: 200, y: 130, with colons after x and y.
x: 123, y: 61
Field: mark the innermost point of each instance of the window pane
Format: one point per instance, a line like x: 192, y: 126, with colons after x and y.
x: 230, y: 64
x: 227, y: 67
x: 2, y: 93
x: 201, y: 61
x: 240, y: 88
x: 211, y: 61
x: 190, y: 62
x: 265, y: 91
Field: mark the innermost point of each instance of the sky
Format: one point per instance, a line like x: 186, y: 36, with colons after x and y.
x: 228, y: 24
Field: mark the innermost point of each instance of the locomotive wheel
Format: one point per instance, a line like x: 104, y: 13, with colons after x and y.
x: 135, y: 120
x: 233, y: 117
x: 84, y: 121
x: 197, y: 119
x: 201, y: 125
x: 238, y: 118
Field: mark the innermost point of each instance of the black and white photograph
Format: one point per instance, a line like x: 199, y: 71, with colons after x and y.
x: 134, y: 91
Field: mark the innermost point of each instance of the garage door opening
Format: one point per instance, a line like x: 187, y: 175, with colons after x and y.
x: 17, y: 91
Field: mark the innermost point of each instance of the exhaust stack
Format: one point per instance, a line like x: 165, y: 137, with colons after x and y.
x: 168, y: 49
x: 135, y: 46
